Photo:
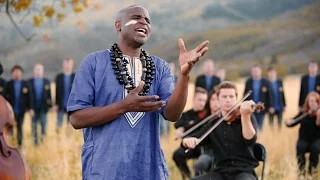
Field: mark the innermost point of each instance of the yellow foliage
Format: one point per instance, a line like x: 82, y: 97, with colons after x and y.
x: 63, y: 4
x: 96, y: 6
x: 60, y: 17
x: 85, y: 3
x: 77, y: 9
x: 22, y: 5
x: 37, y: 20
x: 75, y: 1
x: 49, y: 11
x: 2, y: 1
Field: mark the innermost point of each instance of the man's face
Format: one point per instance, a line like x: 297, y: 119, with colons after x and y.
x: 67, y: 65
x: 199, y: 101
x: 227, y: 99
x: 256, y: 72
x: 272, y: 74
x: 313, y: 68
x: 17, y: 74
x: 38, y: 70
x: 136, y: 25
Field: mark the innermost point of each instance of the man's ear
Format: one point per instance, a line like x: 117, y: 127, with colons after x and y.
x: 117, y: 25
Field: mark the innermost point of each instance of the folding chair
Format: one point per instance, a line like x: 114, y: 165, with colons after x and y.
x: 260, y: 154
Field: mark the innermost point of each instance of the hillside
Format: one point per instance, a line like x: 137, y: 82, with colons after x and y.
x: 292, y: 37
x: 244, y: 38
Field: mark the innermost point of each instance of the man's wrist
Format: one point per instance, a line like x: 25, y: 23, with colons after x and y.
x: 184, y: 76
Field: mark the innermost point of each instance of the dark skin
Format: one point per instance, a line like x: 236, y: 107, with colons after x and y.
x: 128, y: 24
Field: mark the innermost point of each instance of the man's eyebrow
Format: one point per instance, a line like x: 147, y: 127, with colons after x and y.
x: 139, y: 15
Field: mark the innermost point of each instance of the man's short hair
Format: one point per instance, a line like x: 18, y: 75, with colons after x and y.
x: 16, y: 67
x: 200, y: 90
x: 226, y: 85
x: 271, y: 68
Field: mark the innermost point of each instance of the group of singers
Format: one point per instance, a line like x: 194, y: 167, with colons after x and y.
x: 34, y: 96
x: 227, y: 152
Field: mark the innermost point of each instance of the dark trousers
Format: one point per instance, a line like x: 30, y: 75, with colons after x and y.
x: 203, y: 164
x: 19, y: 117
x: 260, y: 119
x: 40, y: 116
x: 214, y: 175
x: 180, y: 158
x: 279, y: 116
x: 303, y: 147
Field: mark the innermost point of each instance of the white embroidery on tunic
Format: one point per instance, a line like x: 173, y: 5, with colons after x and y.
x: 135, y: 72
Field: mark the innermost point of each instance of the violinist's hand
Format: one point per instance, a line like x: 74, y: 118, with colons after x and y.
x: 190, y: 142
x: 247, y: 108
x: 135, y: 103
x: 288, y: 122
x: 188, y: 58
x: 179, y: 132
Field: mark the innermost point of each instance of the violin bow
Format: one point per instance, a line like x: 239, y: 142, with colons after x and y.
x: 198, y: 125
x: 298, y: 119
x: 222, y: 119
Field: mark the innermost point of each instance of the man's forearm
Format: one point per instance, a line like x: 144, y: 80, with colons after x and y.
x: 178, y: 99
x: 95, y: 116
x: 248, y: 131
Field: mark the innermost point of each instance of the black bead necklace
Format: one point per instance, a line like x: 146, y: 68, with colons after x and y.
x: 119, y: 64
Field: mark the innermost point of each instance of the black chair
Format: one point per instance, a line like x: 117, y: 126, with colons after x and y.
x: 260, y: 154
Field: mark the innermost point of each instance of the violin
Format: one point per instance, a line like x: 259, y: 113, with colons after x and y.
x: 12, y: 163
x: 236, y: 113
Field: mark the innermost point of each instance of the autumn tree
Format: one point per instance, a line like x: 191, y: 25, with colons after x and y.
x: 42, y: 11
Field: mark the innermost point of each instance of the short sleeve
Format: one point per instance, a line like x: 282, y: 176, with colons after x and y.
x: 82, y: 92
x: 166, y: 85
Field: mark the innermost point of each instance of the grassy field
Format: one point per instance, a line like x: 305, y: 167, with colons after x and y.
x: 59, y: 156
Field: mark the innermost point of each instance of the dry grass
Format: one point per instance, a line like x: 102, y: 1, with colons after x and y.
x: 59, y: 156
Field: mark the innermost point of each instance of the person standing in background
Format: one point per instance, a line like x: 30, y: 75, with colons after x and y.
x: 18, y: 94
x: 63, y: 82
x: 41, y: 92
x: 277, y: 94
x: 260, y: 93
x: 208, y: 80
x: 309, y: 82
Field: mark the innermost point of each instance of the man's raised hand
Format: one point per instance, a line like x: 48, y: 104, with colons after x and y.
x: 188, y: 58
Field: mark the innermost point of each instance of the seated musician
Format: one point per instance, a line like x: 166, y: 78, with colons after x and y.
x: 204, y: 161
x: 232, y: 141
x: 309, y: 132
x: 187, y: 120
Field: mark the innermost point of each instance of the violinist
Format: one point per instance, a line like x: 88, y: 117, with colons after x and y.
x: 232, y: 141
x: 309, y: 132
x: 204, y: 161
x: 187, y: 120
